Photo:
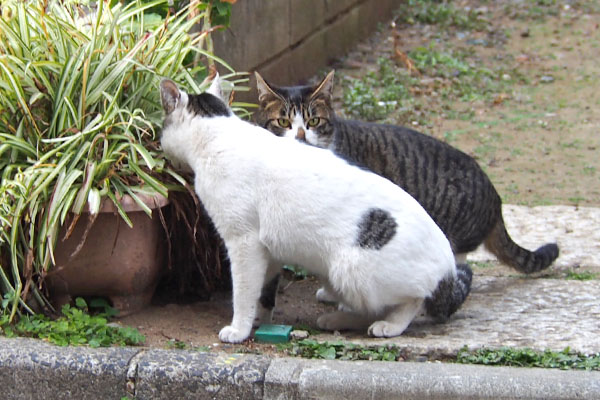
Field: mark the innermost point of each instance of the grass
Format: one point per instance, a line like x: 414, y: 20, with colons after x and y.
x: 439, y: 13
x: 450, y: 74
x: 379, y: 93
x: 176, y: 344
x: 339, y: 350
x: 75, y: 327
x: 505, y: 356
x: 512, y: 357
x: 581, y: 276
x: 483, y: 264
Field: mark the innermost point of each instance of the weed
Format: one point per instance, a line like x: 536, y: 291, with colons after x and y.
x: 307, y: 328
x: 507, y: 356
x: 462, y: 78
x: 533, y: 9
x: 447, y: 65
x: 176, y: 344
x: 581, y: 276
x: 462, y: 115
x: 589, y: 170
x: 75, y: 327
x: 360, y: 100
x: 574, y: 144
x: 181, y: 345
x: 576, y: 199
x: 451, y: 136
x: 308, y: 348
x: 439, y: 13
x: 484, y: 150
x: 516, y: 152
x: 482, y: 264
x: 379, y: 93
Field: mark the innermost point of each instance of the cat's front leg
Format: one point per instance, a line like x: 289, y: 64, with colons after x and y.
x: 249, y: 262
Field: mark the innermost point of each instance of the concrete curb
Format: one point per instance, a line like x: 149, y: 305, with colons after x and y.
x: 31, y: 369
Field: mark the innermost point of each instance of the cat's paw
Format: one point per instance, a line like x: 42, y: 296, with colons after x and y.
x: 328, y: 322
x: 385, y: 329
x: 324, y: 296
x: 229, y: 334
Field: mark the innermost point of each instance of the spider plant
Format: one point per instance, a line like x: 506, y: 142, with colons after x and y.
x: 79, y: 118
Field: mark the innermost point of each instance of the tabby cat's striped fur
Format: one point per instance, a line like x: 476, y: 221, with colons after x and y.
x: 448, y: 183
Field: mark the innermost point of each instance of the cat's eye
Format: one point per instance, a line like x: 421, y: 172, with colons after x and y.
x: 314, y: 121
x: 283, y: 122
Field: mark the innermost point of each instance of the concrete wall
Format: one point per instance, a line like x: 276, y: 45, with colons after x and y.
x: 288, y: 41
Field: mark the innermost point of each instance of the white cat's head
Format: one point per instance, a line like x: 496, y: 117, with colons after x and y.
x: 177, y: 103
x: 181, y: 109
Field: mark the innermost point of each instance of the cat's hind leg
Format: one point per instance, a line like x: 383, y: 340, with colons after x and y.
x: 343, y: 320
x: 266, y: 302
x: 249, y: 264
x: 397, y: 320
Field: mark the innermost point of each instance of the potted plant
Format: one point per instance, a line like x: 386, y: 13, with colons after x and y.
x: 79, y: 122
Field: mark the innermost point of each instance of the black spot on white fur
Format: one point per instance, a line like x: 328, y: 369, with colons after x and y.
x: 269, y: 292
x: 207, y: 105
x: 450, y: 293
x: 375, y: 229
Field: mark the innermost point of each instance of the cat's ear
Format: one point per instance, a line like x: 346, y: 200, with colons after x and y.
x: 170, y: 95
x: 215, y: 87
x: 265, y: 91
x: 325, y: 88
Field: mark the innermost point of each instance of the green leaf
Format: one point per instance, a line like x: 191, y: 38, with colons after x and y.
x: 80, y: 303
x: 327, y: 353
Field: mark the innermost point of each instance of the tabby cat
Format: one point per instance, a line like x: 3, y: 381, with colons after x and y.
x: 375, y: 247
x: 448, y: 183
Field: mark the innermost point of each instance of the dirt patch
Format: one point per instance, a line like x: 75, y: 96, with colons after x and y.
x: 197, y: 325
x: 537, y: 138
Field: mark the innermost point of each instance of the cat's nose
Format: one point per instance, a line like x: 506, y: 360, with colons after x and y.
x: 301, y: 135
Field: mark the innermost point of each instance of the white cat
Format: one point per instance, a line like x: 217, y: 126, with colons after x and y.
x: 375, y: 247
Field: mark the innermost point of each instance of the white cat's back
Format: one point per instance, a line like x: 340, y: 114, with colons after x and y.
x: 307, y: 203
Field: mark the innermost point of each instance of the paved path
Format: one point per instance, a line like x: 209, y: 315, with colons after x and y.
x: 575, y: 229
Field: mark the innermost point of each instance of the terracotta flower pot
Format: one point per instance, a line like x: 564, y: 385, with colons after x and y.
x: 115, y: 261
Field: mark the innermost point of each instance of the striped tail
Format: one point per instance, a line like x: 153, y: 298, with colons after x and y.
x: 510, y: 253
x: 450, y: 294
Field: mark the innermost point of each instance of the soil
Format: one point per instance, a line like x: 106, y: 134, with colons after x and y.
x: 538, y: 140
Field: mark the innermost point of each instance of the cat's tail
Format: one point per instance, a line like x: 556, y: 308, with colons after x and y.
x: 523, y: 260
x: 450, y: 293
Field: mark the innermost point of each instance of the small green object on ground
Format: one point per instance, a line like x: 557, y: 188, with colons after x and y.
x: 273, y: 333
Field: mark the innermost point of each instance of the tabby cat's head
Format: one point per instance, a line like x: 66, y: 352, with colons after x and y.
x: 300, y: 112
